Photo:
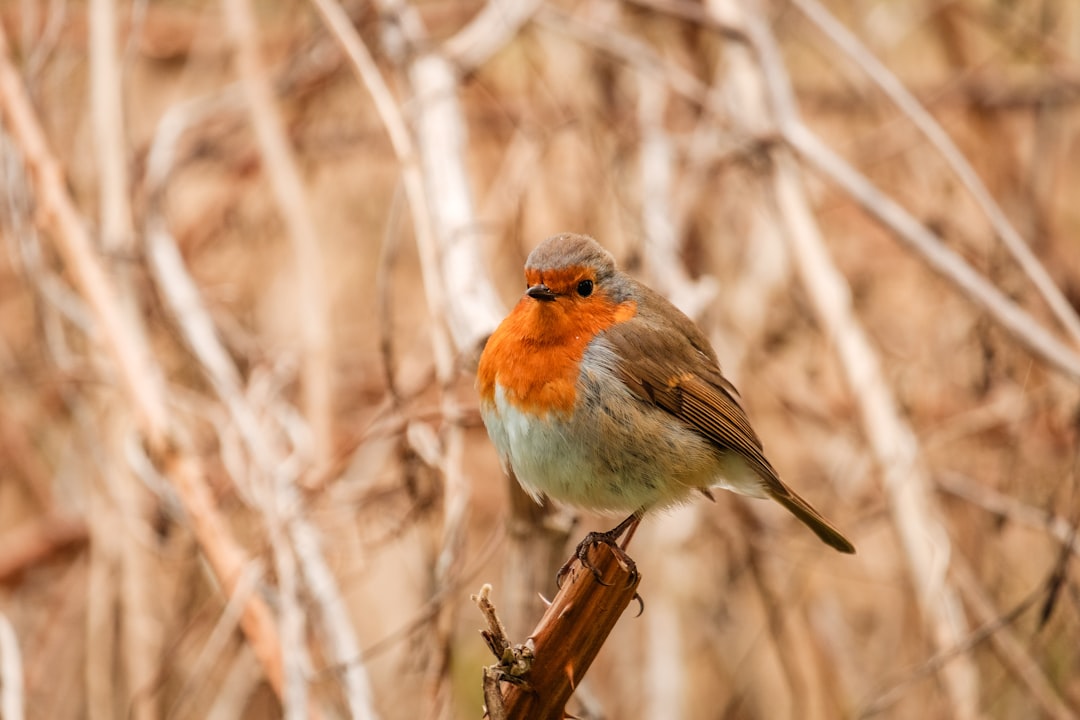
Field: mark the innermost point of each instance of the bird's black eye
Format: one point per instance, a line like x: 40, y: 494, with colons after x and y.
x: 584, y: 288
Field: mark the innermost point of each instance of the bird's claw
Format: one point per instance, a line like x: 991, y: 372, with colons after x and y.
x: 611, y: 539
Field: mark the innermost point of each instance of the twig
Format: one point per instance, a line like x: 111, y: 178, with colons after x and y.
x: 495, y: 636
x: 240, y: 682
x: 858, y: 54
x: 12, y: 701
x: 102, y: 620
x: 450, y: 203
x: 915, y: 514
x: 384, y: 302
x: 541, y: 674
x: 216, y: 643
x: 280, y: 500
x: 492, y: 29
x: 141, y: 635
x: 437, y: 186
x: 1018, y: 322
x: 493, y: 699
x: 313, y: 313
x: 1008, y: 507
x: 473, y: 309
x: 290, y: 616
x: 228, y: 560
x: 637, y: 53
x: 440, y: 206
x: 886, y: 698
x: 183, y: 298
x: 661, y: 242
x: 1013, y: 655
x: 34, y: 541
x: 140, y: 376
x: 106, y: 95
x: 335, y: 625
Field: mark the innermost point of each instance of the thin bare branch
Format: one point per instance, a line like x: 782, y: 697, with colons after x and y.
x: 914, y: 511
x: 1012, y: 652
x: 862, y: 58
x: 140, y: 376
x: 545, y: 670
x: 285, y: 178
x: 12, y: 701
x: 241, y: 681
x: 110, y: 143
x: 34, y: 541
x: 492, y: 29
x: 141, y: 633
x: 197, y: 327
x: 1008, y: 507
x: 1017, y: 321
x: 661, y: 243
x: 887, y: 697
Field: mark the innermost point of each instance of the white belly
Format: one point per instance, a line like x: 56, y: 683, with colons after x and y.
x: 598, y: 461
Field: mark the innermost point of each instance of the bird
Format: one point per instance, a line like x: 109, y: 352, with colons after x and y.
x: 599, y: 393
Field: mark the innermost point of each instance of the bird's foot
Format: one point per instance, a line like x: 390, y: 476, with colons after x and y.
x: 609, y: 538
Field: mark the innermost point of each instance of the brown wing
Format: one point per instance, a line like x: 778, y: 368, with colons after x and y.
x: 663, y: 376
x: 678, y: 372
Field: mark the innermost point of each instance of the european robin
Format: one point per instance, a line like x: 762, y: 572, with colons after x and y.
x: 599, y: 393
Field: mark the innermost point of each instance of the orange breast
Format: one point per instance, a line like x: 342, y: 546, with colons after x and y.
x: 535, y: 354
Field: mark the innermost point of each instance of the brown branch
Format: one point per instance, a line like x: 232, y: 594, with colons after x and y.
x: 918, y: 520
x: 848, y: 44
x: 137, y: 372
x: 540, y: 675
x: 12, y: 687
x: 34, y: 541
x: 56, y: 210
x: 284, y: 174
x: 536, y: 538
x: 1010, y: 649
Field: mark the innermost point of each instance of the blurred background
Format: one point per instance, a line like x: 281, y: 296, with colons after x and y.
x: 251, y: 249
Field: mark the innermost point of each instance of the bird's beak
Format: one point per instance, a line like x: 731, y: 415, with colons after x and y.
x: 541, y: 292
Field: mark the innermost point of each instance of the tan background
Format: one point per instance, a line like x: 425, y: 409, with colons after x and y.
x: 591, y: 117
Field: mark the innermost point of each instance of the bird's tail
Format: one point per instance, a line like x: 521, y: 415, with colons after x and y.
x: 801, y: 509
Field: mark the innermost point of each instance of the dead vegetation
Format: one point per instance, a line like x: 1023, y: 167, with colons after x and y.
x: 250, y: 250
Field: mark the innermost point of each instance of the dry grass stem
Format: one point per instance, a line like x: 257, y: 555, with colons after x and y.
x: 140, y: 628
x: 1060, y: 528
x: 35, y: 541
x: 12, y: 701
x: 492, y: 29
x: 1014, y: 656
x: 657, y: 170
x: 865, y: 60
x: 106, y: 97
x: 140, y: 376
x: 1018, y: 322
x: 228, y: 561
x: 283, y: 171
x: 240, y: 682
x: 915, y: 515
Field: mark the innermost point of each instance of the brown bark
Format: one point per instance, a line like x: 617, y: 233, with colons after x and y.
x: 565, y: 642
